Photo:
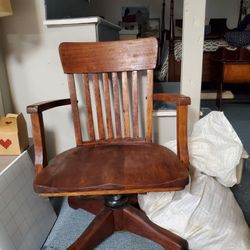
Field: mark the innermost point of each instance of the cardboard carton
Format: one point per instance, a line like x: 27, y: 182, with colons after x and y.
x: 13, y: 134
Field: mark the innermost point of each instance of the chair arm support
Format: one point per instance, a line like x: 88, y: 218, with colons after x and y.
x: 173, y: 98
x: 182, y: 103
x: 42, y: 106
x: 35, y: 111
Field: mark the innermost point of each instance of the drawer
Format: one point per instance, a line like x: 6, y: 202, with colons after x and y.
x: 236, y: 73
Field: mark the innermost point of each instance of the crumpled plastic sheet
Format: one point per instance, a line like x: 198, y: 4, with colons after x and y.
x: 205, y: 213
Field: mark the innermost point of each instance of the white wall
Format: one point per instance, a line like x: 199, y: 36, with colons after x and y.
x: 34, y: 69
x: 3, y: 81
x: 32, y: 61
x: 5, y: 98
x: 224, y: 9
x: 191, y: 64
x: 111, y: 9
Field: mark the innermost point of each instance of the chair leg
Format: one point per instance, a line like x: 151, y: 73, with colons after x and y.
x: 98, y: 230
x: 135, y: 221
x: 219, y: 96
x: 127, y: 218
x: 91, y: 204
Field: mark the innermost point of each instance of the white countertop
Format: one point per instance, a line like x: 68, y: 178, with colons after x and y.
x: 5, y: 162
x: 83, y: 20
x: 164, y: 113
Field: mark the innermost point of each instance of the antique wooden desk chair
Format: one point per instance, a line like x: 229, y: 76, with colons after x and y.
x: 117, y: 161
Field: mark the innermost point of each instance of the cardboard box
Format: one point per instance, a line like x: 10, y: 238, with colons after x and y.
x: 13, y: 134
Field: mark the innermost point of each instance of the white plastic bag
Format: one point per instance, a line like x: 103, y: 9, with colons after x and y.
x: 205, y: 214
x: 214, y: 148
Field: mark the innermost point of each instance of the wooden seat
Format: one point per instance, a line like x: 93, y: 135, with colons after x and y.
x: 124, y: 169
x: 117, y: 159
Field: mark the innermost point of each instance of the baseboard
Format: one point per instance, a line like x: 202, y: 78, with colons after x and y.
x: 212, y: 95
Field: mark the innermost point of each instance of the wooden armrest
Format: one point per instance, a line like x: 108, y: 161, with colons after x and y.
x: 182, y: 103
x: 173, y: 98
x: 35, y: 111
x: 42, y: 106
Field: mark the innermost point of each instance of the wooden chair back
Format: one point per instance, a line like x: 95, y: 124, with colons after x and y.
x: 109, y: 75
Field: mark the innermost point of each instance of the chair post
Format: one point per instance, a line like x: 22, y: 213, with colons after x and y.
x: 116, y: 201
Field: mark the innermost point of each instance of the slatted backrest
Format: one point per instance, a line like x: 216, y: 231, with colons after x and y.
x: 109, y: 74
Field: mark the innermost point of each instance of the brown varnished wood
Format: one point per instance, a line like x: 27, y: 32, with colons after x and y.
x: 122, y: 129
x: 75, y: 110
x: 182, y: 143
x: 92, y: 204
x: 135, y: 221
x: 115, y: 141
x: 113, y: 163
x: 236, y: 72
x: 130, y: 219
x: 171, y: 28
x: 39, y: 142
x: 125, y: 94
x: 117, y: 105
x: 210, y: 71
x: 239, y: 55
x: 219, y: 95
x: 173, y: 69
x: 106, y: 169
x: 112, y: 191
x: 98, y: 107
x: 223, y: 54
x: 107, y: 105
x: 88, y: 107
x: 173, y: 98
x: 42, y: 106
x: 118, y: 219
x: 99, y: 229
x: 149, y: 118
x: 233, y: 67
x: 38, y: 130
x: 244, y: 54
x: 181, y: 103
x: 117, y: 56
x: 135, y: 104
x: 232, y: 72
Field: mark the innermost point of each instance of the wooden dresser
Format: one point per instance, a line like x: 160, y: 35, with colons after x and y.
x: 233, y: 68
